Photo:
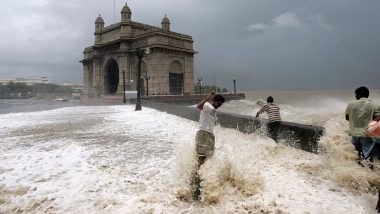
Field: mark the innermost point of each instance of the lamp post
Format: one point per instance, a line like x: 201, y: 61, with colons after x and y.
x: 200, y: 85
x: 147, y: 78
x: 234, y: 80
x: 140, y: 54
x: 124, y: 98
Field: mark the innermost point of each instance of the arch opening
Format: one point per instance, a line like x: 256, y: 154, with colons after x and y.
x: 112, y: 77
x: 176, y: 83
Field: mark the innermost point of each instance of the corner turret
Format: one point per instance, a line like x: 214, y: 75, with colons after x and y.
x: 165, y: 23
x: 126, y: 13
x: 99, y: 23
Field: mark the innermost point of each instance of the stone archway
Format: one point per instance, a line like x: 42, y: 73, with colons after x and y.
x: 144, y: 73
x: 111, y: 77
x: 176, y: 79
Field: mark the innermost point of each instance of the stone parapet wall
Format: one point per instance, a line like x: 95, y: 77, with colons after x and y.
x: 305, y: 137
x: 110, y: 36
x: 192, y: 98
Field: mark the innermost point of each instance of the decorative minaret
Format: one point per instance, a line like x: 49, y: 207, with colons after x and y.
x: 99, y: 25
x: 165, y: 23
x: 126, y: 13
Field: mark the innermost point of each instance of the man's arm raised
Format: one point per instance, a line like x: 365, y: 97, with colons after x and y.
x: 207, y: 98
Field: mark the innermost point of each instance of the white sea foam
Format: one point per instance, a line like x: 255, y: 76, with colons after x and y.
x: 112, y: 159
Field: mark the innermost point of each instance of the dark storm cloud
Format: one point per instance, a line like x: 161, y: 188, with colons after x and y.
x: 265, y: 44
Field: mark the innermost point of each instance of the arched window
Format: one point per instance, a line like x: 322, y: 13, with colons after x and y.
x: 142, y: 80
x: 175, y: 67
x: 176, y: 86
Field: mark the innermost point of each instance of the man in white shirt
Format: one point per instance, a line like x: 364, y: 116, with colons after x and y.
x: 205, y: 139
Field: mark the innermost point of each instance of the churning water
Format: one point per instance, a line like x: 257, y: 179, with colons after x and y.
x: 112, y: 159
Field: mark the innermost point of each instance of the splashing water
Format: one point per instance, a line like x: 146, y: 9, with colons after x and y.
x: 112, y: 159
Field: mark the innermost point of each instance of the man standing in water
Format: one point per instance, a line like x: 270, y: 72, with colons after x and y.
x: 274, y: 117
x: 359, y: 113
x: 205, y: 139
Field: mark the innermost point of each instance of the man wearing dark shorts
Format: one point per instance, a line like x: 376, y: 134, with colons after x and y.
x: 274, y: 117
x: 205, y: 139
x: 359, y: 113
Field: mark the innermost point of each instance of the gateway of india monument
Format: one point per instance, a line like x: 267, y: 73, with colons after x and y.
x: 167, y: 69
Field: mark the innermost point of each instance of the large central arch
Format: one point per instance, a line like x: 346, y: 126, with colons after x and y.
x: 111, y: 77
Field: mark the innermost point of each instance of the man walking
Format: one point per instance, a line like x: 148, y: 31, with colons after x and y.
x: 359, y: 113
x: 205, y: 139
x: 274, y: 117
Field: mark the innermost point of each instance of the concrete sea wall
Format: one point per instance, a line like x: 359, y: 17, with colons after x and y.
x: 305, y: 137
x: 192, y: 99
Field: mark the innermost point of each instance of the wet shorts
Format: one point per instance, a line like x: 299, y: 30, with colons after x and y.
x: 204, y: 143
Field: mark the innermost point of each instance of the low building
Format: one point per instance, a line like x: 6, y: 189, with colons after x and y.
x: 27, y: 81
x: 75, y: 86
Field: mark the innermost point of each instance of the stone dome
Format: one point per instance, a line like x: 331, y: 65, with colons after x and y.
x: 99, y: 19
x: 126, y: 9
x: 165, y: 20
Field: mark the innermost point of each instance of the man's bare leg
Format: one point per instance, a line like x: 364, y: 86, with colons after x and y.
x: 196, y: 181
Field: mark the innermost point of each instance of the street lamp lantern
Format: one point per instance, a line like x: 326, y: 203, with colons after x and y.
x: 234, y: 80
x: 147, y: 78
x: 124, y: 98
x: 140, y: 53
x: 200, y: 85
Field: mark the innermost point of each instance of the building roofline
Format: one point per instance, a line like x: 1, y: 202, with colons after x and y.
x: 149, y: 28
x: 92, y: 48
x: 167, y: 34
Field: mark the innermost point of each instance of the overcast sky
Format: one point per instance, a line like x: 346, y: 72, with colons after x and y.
x: 265, y: 44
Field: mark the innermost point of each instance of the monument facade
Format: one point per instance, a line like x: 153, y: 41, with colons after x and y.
x: 167, y: 69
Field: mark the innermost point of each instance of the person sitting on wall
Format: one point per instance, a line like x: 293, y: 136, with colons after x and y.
x: 274, y: 117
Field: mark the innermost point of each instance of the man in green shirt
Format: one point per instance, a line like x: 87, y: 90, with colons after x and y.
x: 359, y: 113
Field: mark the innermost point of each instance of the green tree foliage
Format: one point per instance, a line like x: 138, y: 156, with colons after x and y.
x: 17, y: 87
